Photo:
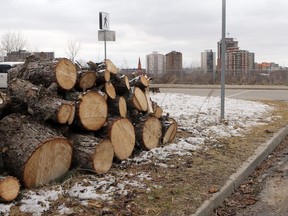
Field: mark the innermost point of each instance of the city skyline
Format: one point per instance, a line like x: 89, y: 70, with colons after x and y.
x: 141, y: 27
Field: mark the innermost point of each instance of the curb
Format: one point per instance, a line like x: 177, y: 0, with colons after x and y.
x: 261, y: 153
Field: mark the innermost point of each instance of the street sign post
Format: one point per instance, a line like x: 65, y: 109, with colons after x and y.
x: 104, y: 34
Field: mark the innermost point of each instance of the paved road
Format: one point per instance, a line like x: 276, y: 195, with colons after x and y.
x: 248, y: 94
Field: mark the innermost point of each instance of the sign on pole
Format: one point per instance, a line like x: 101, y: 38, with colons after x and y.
x: 104, y: 21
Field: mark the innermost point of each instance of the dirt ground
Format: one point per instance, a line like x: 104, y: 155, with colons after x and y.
x: 185, y: 185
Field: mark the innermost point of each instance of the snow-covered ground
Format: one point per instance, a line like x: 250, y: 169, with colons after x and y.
x: 199, y: 116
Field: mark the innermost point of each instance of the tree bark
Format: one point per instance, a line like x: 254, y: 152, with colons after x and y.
x: 140, y: 81
x: 117, y: 107
x: 9, y: 188
x: 169, y: 130
x: 120, y: 83
x: 45, y: 72
x: 92, y: 153
x: 36, y: 154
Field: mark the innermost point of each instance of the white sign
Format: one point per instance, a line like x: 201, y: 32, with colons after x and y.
x: 104, y: 21
x: 106, y: 35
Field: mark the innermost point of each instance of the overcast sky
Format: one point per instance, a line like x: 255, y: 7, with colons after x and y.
x: 187, y: 26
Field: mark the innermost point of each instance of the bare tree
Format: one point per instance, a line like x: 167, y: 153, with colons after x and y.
x: 12, y: 41
x: 73, y: 49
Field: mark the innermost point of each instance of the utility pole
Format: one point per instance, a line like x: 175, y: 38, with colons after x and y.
x: 223, y: 52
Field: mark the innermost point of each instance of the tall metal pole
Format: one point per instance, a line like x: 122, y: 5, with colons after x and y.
x: 105, y: 44
x: 223, y: 52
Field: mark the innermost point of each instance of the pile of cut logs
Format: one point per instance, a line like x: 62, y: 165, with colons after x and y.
x: 59, y: 115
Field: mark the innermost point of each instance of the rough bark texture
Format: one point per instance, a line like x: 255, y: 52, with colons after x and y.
x: 36, y: 154
x: 117, y: 107
x: 45, y: 72
x: 120, y: 83
x: 148, y: 132
x: 140, y: 81
x: 92, y: 153
x: 9, y: 188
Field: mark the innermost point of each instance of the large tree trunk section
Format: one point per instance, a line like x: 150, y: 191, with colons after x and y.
x: 92, y: 111
x: 9, y: 188
x: 36, y: 154
x: 149, y: 132
x: 140, y: 81
x: 92, y: 153
x: 55, y: 109
x: 122, y: 135
x: 85, y: 79
x: 120, y: 83
x: 117, y: 107
x: 45, y: 72
x: 169, y: 130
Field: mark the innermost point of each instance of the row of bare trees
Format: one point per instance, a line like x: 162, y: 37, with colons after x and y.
x: 15, y: 41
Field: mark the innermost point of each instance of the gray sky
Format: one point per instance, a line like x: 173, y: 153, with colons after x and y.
x: 187, y: 26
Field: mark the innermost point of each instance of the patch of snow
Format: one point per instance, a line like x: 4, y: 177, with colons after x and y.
x: 5, y: 209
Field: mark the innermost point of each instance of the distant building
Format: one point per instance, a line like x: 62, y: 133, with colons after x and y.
x: 230, y: 44
x: 208, y: 61
x: 173, y: 62
x: 239, y: 60
x: 21, y: 55
x: 271, y: 66
x: 155, y: 64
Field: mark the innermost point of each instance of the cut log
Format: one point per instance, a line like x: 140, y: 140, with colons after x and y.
x: 9, y: 188
x: 169, y: 130
x: 55, y: 109
x: 117, y: 107
x: 45, y: 72
x: 149, y: 101
x: 103, y: 76
x: 140, y: 81
x: 46, y: 108
x: 120, y: 83
x: 110, y: 66
x: 148, y: 132
x: 92, y: 153
x: 157, y: 110
x: 139, y: 100
x: 110, y: 90
x: 91, y: 111
x: 85, y: 79
x: 36, y: 154
x: 122, y: 135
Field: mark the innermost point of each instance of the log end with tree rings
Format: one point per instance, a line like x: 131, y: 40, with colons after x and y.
x: 144, y: 80
x: 66, y: 74
x: 127, y: 82
x: 169, y: 130
x: 110, y: 66
x: 110, y: 90
x: 64, y: 113
x: 103, y: 156
x: 122, y: 136
x: 49, y: 161
x: 86, y: 80
x: 122, y: 107
x: 9, y: 188
x: 106, y: 75
x: 151, y: 132
x: 140, y: 99
x: 93, y: 110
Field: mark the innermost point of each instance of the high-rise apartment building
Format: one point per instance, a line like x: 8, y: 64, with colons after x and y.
x: 155, y: 64
x: 173, y: 62
x: 208, y: 61
x: 230, y: 44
